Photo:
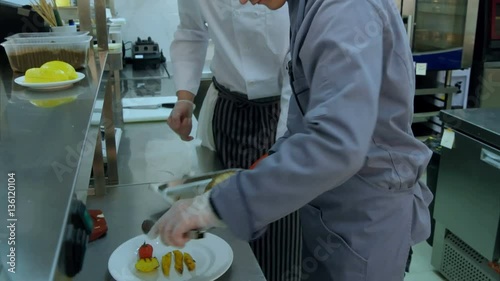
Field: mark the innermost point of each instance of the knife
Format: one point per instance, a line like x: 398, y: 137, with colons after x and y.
x: 154, y: 106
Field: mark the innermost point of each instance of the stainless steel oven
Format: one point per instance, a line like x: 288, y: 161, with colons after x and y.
x: 442, y: 32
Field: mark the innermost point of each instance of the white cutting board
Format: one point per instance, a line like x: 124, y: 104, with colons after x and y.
x: 139, y: 115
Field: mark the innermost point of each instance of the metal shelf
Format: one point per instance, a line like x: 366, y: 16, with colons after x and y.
x: 424, y: 116
x: 438, y: 88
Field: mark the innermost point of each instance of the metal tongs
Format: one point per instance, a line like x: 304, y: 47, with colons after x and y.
x: 183, y: 185
x: 203, y: 179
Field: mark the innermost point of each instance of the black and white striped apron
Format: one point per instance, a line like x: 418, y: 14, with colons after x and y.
x: 244, y: 130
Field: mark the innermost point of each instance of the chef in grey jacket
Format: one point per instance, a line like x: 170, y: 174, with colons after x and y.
x: 349, y: 160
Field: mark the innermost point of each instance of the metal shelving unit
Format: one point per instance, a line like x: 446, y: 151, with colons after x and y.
x: 431, y: 97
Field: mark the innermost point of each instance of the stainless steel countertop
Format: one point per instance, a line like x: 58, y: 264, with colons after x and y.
x: 124, y: 209
x: 481, y: 123
x: 34, y: 143
x: 152, y: 152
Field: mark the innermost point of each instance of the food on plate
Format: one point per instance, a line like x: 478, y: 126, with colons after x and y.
x: 218, y: 179
x: 43, y: 75
x: 147, y: 264
x: 145, y: 251
x: 166, y: 261
x: 178, y: 262
x: 52, y: 71
x: 190, y: 263
x: 67, y: 68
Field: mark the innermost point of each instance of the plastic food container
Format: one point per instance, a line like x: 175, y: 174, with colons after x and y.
x: 76, y: 35
x: 26, y: 53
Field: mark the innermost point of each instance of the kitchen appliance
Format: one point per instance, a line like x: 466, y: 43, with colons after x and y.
x: 146, y: 54
x: 14, y: 19
x: 441, y: 32
x: 466, y: 207
x: 485, y: 73
x: 495, y: 22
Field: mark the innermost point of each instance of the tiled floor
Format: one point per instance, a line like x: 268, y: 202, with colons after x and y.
x: 421, y: 268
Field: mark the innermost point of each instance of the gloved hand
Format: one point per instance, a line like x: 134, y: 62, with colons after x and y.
x: 180, y: 119
x: 185, y: 215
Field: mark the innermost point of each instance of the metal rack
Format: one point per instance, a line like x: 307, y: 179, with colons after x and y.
x: 431, y: 96
x: 109, y: 117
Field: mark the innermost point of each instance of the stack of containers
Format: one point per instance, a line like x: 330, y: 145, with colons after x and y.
x: 31, y: 50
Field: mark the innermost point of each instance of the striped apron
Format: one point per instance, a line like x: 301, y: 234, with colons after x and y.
x: 243, y: 131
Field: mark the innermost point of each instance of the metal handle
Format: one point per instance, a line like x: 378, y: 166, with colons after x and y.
x: 409, y: 28
x: 490, y: 158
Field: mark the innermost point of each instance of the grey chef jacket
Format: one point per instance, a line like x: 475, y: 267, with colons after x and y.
x: 349, y: 160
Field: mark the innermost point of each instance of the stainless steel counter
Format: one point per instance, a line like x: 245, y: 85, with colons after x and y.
x: 124, y: 209
x: 152, y: 152
x: 43, y: 148
x: 50, y: 151
x: 482, y: 123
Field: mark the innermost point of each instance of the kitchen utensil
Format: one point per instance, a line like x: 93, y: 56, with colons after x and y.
x: 187, y: 187
x: 194, y: 234
x: 154, y: 106
x: 192, y: 181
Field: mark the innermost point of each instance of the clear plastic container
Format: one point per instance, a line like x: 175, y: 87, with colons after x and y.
x: 25, y: 54
x: 76, y: 35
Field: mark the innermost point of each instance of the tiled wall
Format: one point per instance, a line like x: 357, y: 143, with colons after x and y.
x: 155, y: 18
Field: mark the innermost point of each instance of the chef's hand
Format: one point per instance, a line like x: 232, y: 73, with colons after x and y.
x: 180, y: 119
x: 185, y: 215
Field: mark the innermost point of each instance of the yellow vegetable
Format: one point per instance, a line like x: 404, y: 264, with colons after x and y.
x: 218, y: 179
x: 179, y: 265
x: 166, y: 261
x: 60, y: 65
x: 190, y: 263
x: 44, y: 75
x: 147, y: 265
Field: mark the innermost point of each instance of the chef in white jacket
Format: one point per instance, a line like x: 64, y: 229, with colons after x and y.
x: 245, y: 108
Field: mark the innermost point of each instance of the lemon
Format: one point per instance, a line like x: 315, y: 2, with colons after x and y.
x: 60, y: 65
x: 44, y: 75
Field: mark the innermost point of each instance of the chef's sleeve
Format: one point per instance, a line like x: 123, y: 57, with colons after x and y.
x: 189, y: 47
x: 344, y: 72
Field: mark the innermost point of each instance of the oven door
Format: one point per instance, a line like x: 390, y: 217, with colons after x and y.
x: 495, y: 20
x: 444, y: 33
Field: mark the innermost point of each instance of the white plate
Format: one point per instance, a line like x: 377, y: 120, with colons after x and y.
x: 212, y: 254
x: 50, y: 86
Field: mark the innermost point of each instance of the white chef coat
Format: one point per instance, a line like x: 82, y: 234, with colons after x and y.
x: 250, y: 46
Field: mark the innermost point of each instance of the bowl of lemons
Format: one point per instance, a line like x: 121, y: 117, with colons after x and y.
x: 52, y: 75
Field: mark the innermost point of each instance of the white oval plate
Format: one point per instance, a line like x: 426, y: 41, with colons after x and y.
x: 212, y: 254
x: 50, y: 86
